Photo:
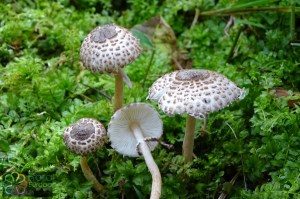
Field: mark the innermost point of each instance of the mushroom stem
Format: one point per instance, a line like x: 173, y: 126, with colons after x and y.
x: 88, y: 174
x: 118, y: 91
x: 156, y: 177
x: 188, y: 141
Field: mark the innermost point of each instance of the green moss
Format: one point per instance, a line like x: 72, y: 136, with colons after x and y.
x: 43, y: 90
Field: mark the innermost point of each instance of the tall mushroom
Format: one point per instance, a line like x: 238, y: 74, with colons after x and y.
x: 107, y: 49
x: 195, y: 92
x: 85, y: 137
x: 128, y: 131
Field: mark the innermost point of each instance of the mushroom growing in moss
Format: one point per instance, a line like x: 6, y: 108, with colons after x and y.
x: 107, y: 49
x: 84, y: 137
x: 195, y: 92
x: 130, y: 128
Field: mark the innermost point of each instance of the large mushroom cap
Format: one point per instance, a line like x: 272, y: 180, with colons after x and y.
x: 194, y: 91
x: 119, y: 128
x: 108, y: 48
x: 85, y: 136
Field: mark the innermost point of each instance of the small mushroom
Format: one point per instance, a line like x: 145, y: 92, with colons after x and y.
x: 195, y: 92
x: 85, y: 137
x: 107, y: 49
x: 129, y: 129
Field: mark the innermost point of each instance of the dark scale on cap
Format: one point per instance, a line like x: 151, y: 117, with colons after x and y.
x: 192, y: 75
x: 85, y: 136
x: 103, y: 33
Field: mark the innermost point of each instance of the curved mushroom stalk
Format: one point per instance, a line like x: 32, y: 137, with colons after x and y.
x: 127, y: 130
x: 88, y: 174
x: 156, y: 177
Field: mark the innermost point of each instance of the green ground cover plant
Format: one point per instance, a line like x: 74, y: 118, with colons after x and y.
x: 250, y: 150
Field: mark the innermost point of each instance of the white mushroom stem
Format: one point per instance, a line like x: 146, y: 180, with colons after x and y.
x: 188, y: 141
x: 118, y: 91
x: 156, y: 177
x: 88, y: 174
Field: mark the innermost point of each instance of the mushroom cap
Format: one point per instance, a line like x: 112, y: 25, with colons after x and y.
x: 108, y: 48
x: 196, y: 92
x: 85, y: 136
x: 119, y: 131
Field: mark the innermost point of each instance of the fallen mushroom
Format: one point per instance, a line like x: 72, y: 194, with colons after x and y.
x: 195, y: 92
x: 83, y: 138
x: 107, y: 49
x: 128, y: 129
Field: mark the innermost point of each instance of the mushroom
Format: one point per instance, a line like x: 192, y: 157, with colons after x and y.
x: 107, y: 49
x: 84, y: 137
x: 129, y: 129
x: 195, y: 92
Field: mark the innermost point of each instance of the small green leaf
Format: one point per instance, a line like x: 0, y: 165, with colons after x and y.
x: 145, y: 41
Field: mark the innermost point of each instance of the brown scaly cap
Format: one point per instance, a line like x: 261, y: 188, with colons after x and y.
x: 85, y: 136
x: 108, y: 48
x: 194, y: 91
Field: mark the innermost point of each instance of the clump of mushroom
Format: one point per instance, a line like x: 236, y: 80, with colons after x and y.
x: 107, y: 49
x: 195, y: 92
x: 130, y: 130
x: 84, y: 137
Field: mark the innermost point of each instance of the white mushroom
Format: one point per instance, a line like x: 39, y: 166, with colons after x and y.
x: 107, y: 49
x: 84, y: 137
x: 195, y: 92
x: 127, y: 131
